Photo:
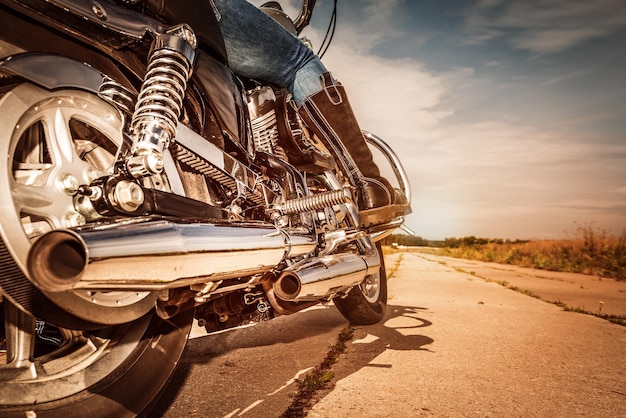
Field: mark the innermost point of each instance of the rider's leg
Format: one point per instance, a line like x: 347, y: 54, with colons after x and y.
x: 329, y: 114
x: 259, y: 48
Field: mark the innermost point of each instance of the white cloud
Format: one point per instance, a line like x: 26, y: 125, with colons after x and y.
x: 480, y: 173
x: 380, y: 11
x: 545, y: 27
x: 491, y: 177
x: 548, y: 41
x: 514, y: 181
x: 384, y: 91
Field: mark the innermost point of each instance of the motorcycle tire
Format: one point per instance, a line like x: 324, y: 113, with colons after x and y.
x: 366, y: 304
x: 126, y: 382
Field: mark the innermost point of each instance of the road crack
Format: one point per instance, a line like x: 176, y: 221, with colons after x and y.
x: 319, y: 378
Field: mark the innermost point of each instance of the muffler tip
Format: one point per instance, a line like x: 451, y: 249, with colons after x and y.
x: 287, y: 287
x: 57, y: 260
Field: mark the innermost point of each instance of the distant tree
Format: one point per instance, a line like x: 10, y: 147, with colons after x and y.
x: 406, y: 240
x: 470, y: 241
x: 451, y: 242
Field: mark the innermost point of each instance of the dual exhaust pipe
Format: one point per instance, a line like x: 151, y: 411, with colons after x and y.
x: 147, y: 255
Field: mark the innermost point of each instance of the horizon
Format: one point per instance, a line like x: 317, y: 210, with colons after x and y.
x: 573, y: 236
x: 509, y: 116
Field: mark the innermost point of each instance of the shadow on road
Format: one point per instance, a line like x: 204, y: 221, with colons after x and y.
x: 400, y: 330
x: 391, y: 330
x: 283, y: 330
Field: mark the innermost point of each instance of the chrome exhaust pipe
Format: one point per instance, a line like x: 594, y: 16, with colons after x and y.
x: 148, y: 254
x: 322, y: 277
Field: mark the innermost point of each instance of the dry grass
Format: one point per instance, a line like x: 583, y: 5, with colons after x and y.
x: 591, y: 251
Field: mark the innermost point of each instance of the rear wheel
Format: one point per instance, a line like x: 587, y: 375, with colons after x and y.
x: 117, y: 371
x: 68, y: 353
x: 366, y: 304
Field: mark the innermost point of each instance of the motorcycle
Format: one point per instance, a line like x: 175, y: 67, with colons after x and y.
x: 143, y: 187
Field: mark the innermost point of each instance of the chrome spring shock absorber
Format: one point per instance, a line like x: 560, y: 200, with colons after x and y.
x: 316, y: 201
x: 160, y: 101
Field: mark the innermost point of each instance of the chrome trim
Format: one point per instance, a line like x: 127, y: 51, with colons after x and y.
x: 208, y: 159
x: 304, y: 17
x: 393, y: 160
x: 153, y: 254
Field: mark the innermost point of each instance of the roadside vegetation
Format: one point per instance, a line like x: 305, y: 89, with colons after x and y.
x: 590, y: 251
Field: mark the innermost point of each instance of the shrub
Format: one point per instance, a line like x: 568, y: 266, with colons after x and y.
x: 591, y: 251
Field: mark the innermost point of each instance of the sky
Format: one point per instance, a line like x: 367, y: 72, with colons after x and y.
x: 508, y: 116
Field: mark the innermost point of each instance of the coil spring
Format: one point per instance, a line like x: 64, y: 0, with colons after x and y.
x: 317, y: 201
x: 116, y: 94
x: 162, y: 92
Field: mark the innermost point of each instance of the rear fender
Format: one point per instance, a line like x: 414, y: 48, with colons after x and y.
x: 52, y: 71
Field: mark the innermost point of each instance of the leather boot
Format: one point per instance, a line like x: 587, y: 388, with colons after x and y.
x: 329, y: 115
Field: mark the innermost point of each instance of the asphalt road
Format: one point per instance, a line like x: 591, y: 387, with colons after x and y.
x: 456, y: 342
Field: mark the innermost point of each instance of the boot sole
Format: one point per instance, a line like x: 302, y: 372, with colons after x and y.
x: 382, y: 215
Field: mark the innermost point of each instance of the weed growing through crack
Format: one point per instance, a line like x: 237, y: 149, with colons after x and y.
x: 616, y: 319
x: 318, y: 378
x: 395, y: 267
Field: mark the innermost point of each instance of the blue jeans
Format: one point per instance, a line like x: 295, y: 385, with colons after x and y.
x: 260, y: 48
